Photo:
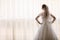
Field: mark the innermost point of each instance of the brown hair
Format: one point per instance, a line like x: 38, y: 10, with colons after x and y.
x: 45, y: 7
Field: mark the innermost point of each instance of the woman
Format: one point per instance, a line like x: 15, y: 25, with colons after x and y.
x: 45, y: 32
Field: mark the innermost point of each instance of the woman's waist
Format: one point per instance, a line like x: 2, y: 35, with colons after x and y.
x: 46, y: 22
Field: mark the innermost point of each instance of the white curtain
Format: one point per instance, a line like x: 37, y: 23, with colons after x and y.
x: 17, y: 18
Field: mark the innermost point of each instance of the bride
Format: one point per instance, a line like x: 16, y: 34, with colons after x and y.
x: 45, y: 32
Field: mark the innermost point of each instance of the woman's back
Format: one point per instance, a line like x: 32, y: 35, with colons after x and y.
x: 46, y: 19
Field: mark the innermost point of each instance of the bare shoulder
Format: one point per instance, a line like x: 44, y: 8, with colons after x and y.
x: 51, y: 14
x: 41, y: 14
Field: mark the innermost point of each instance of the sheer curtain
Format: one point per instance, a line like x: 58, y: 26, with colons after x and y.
x: 8, y: 11
x: 17, y: 18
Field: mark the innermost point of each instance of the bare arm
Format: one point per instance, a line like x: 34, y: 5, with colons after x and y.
x: 54, y: 18
x: 37, y: 18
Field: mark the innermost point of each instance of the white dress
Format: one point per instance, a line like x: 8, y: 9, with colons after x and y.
x: 45, y: 32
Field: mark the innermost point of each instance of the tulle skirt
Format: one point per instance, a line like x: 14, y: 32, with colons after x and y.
x: 46, y: 33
